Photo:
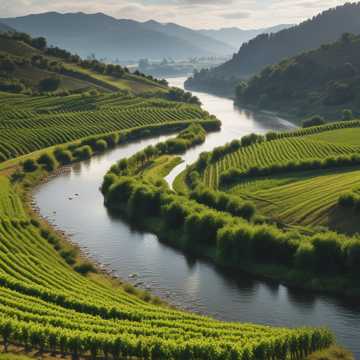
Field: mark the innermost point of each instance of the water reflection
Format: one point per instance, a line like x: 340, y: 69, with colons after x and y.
x: 193, y: 283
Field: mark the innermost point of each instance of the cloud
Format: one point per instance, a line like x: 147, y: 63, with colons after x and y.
x: 236, y: 15
x: 192, y: 13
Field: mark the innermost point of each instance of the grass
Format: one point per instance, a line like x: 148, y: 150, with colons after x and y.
x: 341, y: 136
x: 333, y: 353
x: 161, y: 167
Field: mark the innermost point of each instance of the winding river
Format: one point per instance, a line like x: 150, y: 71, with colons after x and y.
x: 184, y: 281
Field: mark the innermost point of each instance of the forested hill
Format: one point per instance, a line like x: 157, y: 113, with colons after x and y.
x: 324, y: 81
x: 113, y: 39
x: 268, y: 49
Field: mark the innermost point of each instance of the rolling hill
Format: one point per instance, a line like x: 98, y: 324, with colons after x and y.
x: 267, y: 49
x: 324, y: 81
x: 114, y: 39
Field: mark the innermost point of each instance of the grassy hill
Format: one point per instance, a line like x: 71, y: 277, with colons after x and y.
x: 268, y: 49
x: 324, y: 81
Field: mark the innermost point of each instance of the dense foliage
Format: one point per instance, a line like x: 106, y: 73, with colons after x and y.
x: 325, y: 81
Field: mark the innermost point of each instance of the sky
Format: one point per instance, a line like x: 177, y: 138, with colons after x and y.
x: 192, y: 13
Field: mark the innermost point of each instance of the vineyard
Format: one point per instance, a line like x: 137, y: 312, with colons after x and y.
x: 294, y: 178
x: 32, y: 123
x: 274, y: 152
x: 46, y: 305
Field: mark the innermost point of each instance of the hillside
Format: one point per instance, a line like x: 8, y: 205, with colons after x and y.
x: 267, y: 49
x: 113, y: 39
x: 236, y: 37
x: 324, y: 81
x: 25, y: 63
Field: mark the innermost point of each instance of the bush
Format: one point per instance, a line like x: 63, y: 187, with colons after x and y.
x: 101, y: 145
x: 47, y: 161
x: 69, y: 256
x: 83, y: 152
x: 30, y: 165
x: 347, y: 115
x: 63, y: 156
x: 85, y: 268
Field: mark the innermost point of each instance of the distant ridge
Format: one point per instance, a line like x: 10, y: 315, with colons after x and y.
x: 110, y: 38
x: 265, y: 49
x: 236, y: 37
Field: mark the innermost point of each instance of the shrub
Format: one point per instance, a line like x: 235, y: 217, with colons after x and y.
x: 83, y: 152
x: 63, y: 156
x: 85, y: 268
x: 69, y: 256
x: 101, y: 145
x: 30, y: 165
x: 47, y: 161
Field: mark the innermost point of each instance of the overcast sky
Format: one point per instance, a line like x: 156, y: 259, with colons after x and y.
x: 192, y: 13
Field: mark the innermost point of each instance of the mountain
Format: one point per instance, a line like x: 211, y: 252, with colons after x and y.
x: 208, y: 43
x: 5, y: 28
x: 110, y: 38
x: 324, y: 81
x: 267, y: 49
x: 235, y: 37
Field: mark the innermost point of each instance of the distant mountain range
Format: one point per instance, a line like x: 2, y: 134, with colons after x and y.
x: 236, y: 37
x: 266, y: 49
x: 110, y: 38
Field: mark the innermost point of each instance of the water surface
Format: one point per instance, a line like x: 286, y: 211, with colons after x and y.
x: 190, y: 283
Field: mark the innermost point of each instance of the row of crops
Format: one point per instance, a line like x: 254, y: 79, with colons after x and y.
x: 268, y: 153
x: 39, y: 122
x: 46, y: 305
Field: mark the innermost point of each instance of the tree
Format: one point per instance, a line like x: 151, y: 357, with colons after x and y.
x: 49, y: 84
x: 39, y: 43
x: 347, y: 114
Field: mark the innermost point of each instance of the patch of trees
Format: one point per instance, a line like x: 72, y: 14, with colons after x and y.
x: 234, y: 175
x: 176, y: 94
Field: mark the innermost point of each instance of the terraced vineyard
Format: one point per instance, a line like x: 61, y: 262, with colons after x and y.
x: 296, y: 197
x: 45, y: 304
x: 274, y: 152
x: 308, y: 198
x: 41, y: 122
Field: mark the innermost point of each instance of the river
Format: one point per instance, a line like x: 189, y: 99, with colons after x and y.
x: 189, y: 283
